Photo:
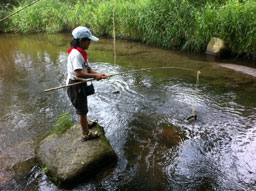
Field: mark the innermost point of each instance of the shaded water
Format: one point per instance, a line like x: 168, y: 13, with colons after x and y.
x: 145, y: 123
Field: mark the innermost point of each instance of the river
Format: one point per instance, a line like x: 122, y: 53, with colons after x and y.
x: 144, y: 115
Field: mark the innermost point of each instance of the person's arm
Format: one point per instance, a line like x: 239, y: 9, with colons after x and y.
x: 90, y: 70
x: 80, y: 74
x: 77, y: 65
x: 103, y: 76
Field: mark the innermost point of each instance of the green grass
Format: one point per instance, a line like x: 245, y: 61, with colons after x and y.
x: 176, y: 24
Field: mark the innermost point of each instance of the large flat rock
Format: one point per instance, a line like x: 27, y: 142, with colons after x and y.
x: 239, y: 68
x: 67, y: 159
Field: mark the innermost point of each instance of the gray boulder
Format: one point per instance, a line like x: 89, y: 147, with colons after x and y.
x: 67, y: 160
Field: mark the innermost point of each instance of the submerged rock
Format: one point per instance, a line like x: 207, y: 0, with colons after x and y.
x: 67, y: 159
x: 170, y: 136
x: 16, y: 161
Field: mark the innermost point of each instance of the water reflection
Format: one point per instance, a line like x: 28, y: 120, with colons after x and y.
x: 144, y: 116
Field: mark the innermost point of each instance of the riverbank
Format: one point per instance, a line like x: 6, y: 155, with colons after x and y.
x: 172, y: 24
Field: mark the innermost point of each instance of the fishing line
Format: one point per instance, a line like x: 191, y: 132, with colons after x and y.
x: 194, y: 116
x: 82, y: 80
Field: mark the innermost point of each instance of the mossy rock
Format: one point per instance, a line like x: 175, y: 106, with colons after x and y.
x: 68, y: 160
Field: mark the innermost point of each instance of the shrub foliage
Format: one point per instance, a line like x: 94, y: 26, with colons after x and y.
x: 176, y: 24
x: 64, y: 122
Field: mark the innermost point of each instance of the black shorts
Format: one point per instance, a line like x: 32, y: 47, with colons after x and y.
x: 78, y: 97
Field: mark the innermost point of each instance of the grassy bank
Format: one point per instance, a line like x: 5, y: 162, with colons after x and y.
x: 176, y: 24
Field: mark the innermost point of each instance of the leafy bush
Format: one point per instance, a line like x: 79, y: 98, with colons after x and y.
x: 234, y: 22
x: 46, y: 15
x: 176, y: 24
x: 237, y: 26
x: 170, y: 24
x: 64, y: 122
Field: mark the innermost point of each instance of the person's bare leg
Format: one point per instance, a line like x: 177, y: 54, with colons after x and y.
x: 84, y: 123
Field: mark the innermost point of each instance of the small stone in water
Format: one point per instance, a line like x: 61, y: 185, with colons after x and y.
x: 116, y: 92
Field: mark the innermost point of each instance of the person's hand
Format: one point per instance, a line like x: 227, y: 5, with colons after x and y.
x: 98, y: 77
x: 104, y: 76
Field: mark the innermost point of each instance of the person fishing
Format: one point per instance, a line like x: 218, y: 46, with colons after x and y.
x: 78, y: 67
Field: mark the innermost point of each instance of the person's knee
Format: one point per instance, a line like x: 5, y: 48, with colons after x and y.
x: 83, y: 115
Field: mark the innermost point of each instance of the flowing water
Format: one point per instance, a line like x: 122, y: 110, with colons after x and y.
x: 144, y: 116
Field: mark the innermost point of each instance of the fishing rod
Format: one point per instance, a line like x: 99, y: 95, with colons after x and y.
x: 121, y: 73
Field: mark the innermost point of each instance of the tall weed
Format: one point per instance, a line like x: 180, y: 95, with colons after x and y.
x: 234, y: 21
x: 238, y: 26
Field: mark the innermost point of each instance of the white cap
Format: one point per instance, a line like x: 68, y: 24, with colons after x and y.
x: 83, y: 32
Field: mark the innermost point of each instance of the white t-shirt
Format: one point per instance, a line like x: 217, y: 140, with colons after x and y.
x: 75, y: 62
